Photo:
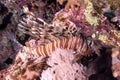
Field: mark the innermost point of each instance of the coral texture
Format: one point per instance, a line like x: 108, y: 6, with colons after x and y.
x: 62, y: 67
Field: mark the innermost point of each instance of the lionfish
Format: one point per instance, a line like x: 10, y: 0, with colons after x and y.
x: 52, y: 37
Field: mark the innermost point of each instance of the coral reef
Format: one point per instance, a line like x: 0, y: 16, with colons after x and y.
x: 60, y: 39
x: 32, y: 68
x: 62, y: 67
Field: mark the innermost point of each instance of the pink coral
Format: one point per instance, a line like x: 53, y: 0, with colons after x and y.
x: 32, y: 68
x: 62, y: 67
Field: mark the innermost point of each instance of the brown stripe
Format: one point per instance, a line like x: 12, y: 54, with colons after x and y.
x: 72, y: 43
x: 78, y: 44
x: 84, y: 47
x: 41, y: 49
x: 76, y: 40
x: 50, y: 47
x: 66, y: 43
x: 53, y: 46
x: 44, y: 51
x: 47, y: 49
x: 57, y: 43
x: 81, y: 43
x: 37, y: 51
x: 61, y: 43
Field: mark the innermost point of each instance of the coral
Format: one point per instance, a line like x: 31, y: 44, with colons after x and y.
x: 101, y: 6
x: 31, y: 68
x: 39, y: 38
x: 87, y: 5
x: 62, y: 67
x: 114, y: 4
x: 110, y: 39
x: 77, y: 18
x: 88, y: 13
x: 71, y: 4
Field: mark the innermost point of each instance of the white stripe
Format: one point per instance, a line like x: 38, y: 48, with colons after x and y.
x: 39, y: 51
x: 58, y: 43
x: 19, y: 25
x: 43, y: 51
x: 33, y: 51
x: 73, y: 43
x: 64, y: 41
x: 78, y: 43
x: 23, y: 22
x: 84, y: 47
x: 50, y: 48
x: 47, y: 49
x: 69, y: 43
x: 81, y: 42
x: 55, y: 44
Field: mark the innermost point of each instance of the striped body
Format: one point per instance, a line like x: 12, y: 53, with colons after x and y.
x: 75, y: 43
x: 52, y: 37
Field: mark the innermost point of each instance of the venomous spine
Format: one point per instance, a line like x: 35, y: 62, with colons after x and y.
x: 56, y: 37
